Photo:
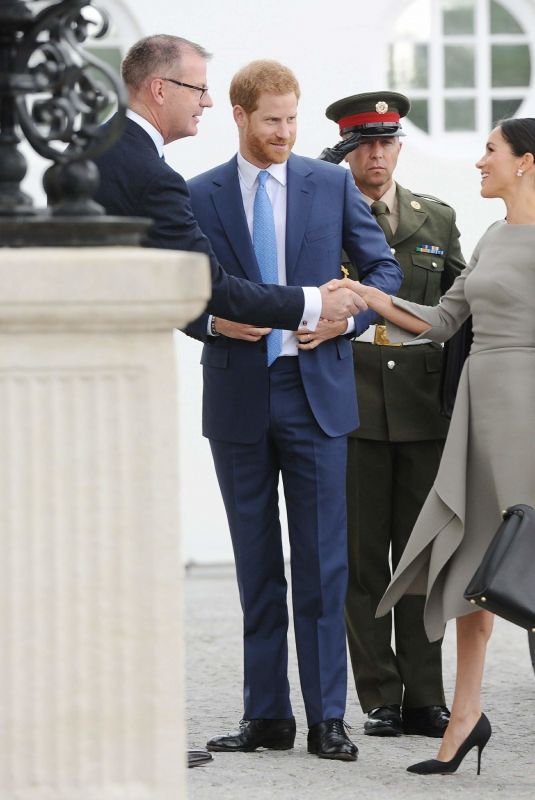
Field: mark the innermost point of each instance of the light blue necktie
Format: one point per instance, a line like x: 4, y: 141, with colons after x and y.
x: 265, y: 247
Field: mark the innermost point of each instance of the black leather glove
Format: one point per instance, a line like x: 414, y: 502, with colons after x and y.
x: 337, y: 153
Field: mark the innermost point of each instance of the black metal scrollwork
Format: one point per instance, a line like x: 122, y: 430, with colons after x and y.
x: 56, y: 94
x: 77, y: 86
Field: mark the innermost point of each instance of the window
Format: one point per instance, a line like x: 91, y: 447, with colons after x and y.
x: 463, y: 63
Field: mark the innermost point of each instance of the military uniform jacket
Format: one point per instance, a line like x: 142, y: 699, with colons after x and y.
x: 398, y: 387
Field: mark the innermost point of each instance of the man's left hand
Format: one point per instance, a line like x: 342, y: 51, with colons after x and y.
x: 325, y: 329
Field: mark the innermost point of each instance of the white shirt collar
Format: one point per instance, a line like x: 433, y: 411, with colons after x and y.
x: 153, y: 132
x: 249, y: 172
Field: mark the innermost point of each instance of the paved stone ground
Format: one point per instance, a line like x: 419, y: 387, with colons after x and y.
x: 214, y: 678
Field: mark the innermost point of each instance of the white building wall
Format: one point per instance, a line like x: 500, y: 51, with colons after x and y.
x: 335, y: 50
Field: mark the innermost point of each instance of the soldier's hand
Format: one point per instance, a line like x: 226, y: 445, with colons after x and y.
x: 340, y: 150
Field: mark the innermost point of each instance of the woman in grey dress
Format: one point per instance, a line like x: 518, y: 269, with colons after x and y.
x: 489, y: 459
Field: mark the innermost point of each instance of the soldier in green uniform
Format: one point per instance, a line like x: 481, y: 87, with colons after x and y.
x: 394, y: 456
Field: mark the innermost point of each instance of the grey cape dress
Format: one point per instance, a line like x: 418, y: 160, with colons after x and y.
x: 488, y: 461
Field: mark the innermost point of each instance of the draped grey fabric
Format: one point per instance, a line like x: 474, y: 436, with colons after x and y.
x: 489, y: 457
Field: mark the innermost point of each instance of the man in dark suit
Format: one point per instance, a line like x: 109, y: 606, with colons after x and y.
x: 394, y: 456
x: 166, y: 80
x: 270, y: 410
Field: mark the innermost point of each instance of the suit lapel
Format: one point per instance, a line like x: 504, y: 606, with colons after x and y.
x: 227, y: 199
x: 134, y: 131
x: 410, y: 218
x: 300, y: 194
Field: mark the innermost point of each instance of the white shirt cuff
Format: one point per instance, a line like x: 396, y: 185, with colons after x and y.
x: 350, y: 325
x: 312, y: 310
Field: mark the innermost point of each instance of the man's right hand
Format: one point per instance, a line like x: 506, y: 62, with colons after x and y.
x: 340, y: 303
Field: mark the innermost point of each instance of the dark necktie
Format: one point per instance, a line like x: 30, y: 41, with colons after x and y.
x: 380, y: 212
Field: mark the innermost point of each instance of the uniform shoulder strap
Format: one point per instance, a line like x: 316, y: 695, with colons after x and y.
x: 432, y: 198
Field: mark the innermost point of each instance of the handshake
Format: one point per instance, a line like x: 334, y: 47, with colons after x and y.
x: 340, y: 299
x: 343, y: 298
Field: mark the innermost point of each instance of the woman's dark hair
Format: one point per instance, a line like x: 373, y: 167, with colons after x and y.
x: 520, y: 134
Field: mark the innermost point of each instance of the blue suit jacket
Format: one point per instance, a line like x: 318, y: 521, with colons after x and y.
x: 135, y: 181
x: 325, y: 213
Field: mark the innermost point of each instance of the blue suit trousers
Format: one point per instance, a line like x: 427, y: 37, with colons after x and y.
x: 312, y: 466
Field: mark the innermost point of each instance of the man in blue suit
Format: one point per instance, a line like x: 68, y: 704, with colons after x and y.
x: 166, y: 80
x: 270, y: 409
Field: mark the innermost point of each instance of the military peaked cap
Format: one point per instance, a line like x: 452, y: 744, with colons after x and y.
x: 372, y: 114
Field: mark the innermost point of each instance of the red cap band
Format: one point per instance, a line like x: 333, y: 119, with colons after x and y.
x: 370, y: 116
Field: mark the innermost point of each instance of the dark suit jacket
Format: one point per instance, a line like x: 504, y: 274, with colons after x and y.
x: 325, y: 211
x: 135, y: 181
x: 402, y: 404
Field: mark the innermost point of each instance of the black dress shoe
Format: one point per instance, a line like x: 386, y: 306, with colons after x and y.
x: 384, y: 721
x: 275, y: 734
x: 328, y: 739
x: 196, y: 758
x: 426, y: 721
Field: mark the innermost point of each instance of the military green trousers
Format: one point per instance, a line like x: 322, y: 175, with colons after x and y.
x: 387, y: 484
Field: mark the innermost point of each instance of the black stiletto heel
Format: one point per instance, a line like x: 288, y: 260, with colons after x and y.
x: 479, y: 751
x: 478, y: 737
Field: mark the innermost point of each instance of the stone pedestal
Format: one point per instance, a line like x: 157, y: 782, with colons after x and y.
x: 91, y: 675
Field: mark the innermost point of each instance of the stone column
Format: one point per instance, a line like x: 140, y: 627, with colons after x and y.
x: 91, y: 673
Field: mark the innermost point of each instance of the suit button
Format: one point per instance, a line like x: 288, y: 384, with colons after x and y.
x: 390, y: 364
x: 393, y: 251
x: 434, y: 264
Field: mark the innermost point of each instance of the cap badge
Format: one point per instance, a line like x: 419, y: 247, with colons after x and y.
x: 381, y: 107
x: 415, y: 204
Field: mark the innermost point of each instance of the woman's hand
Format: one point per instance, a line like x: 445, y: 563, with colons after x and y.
x: 382, y: 304
x: 356, y: 286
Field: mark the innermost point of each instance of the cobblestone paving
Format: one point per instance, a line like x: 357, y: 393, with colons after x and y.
x: 214, y: 704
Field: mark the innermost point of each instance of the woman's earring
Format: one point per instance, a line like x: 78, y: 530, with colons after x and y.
x: 519, y: 173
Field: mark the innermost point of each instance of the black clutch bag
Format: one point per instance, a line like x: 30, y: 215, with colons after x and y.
x: 504, y: 583
x: 456, y: 351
